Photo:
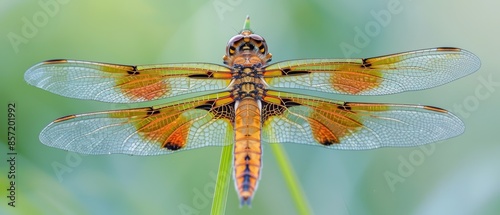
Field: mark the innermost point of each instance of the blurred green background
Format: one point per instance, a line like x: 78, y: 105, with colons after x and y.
x: 456, y: 176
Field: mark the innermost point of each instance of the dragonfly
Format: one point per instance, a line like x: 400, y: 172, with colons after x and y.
x: 248, y: 102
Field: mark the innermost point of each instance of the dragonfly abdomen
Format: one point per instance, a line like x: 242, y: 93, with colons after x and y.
x: 247, y: 148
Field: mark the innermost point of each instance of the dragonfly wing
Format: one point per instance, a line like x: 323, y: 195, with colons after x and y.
x: 374, y: 76
x: 292, y: 118
x: 124, y: 83
x: 194, y: 123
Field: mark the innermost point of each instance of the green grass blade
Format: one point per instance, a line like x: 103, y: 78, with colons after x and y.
x: 223, y: 179
x: 291, y: 179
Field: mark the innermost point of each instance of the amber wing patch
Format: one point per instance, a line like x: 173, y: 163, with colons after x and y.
x: 140, y: 87
x: 329, y: 122
x: 356, y: 78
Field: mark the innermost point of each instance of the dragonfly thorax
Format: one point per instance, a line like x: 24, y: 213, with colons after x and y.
x: 247, y: 82
x: 246, y: 54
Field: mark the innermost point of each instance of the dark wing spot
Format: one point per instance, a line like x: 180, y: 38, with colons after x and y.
x: 448, y: 49
x: 208, y: 74
x: 133, y: 71
x: 289, y: 103
x: 172, y: 146
x: 365, y: 64
x: 207, y: 106
x: 288, y: 71
x: 64, y: 118
x: 298, y: 72
x: 153, y: 111
x: 344, y: 107
x: 329, y: 142
x: 55, y: 61
x: 432, y: 108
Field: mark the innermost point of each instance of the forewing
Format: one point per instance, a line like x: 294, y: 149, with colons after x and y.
x: 124, y: 83
x: 291, y: 118
x: 374, y: 76
x: 198, y: 122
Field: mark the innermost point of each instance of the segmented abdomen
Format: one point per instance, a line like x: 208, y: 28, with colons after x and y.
x: 247, y: 148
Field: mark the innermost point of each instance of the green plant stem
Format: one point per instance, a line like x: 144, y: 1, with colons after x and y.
x: 291, y: 179
x: 222, y: 184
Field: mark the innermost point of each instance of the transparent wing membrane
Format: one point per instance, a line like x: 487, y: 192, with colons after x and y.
x: 388, y: 74
x: 145, y: 131
x: 292, y: 118
x: 125, y: 84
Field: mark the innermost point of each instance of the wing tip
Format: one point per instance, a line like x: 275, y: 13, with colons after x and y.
x: 473, y: 58
x: 32, y: 76
x: 455, y: 126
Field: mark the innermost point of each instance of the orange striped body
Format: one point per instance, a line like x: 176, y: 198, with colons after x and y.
x: 246, y: 54
x: 247, y: 149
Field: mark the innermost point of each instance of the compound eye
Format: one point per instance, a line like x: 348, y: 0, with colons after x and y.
x: 256, y: 37
x: 235, y: 39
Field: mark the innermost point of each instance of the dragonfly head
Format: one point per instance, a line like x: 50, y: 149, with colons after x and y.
x: 247, y: 44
